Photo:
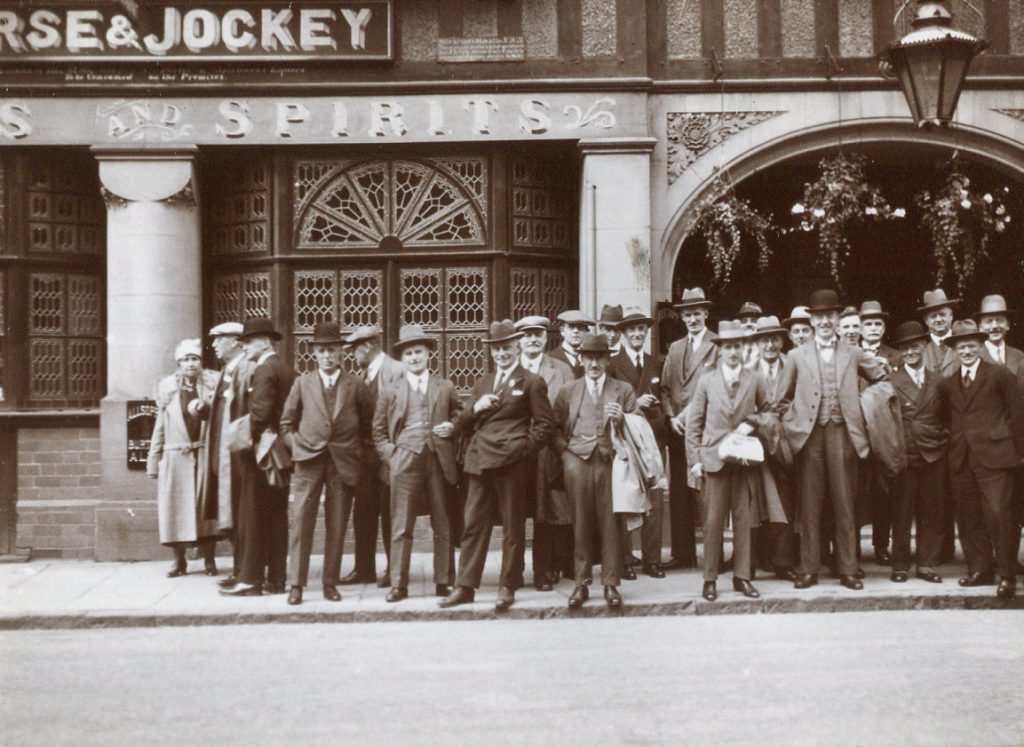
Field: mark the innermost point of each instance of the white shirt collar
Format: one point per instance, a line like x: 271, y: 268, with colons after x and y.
x: 917, y: 374
x: 769, y: 369
x: 830, y: 345
x: 531, y: 364
x: 731, y: 374
x: 697, y: 340
x: 573, y: 355
x: 262, y: 358
x: 374, y: 367
x: 598, y: 384
x: 973, y: 369
x: 871, y: 347
x: 329, y: 380
x: 418, y: 380
x: 504, y: 374
x: 637, y: 356
x: 231, y: 365
x: 995, y: 349
x: 938, y: 340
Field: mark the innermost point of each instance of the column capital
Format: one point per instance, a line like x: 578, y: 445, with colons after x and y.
x: 133, y: 174
x: 607, y: 145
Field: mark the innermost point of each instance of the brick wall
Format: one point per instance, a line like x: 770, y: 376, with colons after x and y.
x: 58, y: 487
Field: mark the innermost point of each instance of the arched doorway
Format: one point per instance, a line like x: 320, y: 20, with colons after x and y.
x: 891, y: 261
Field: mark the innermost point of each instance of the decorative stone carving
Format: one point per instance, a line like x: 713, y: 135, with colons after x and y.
x: 1017, y: 114
x: 112, y: 200
x: 692, y: 134
x: 184, y: 197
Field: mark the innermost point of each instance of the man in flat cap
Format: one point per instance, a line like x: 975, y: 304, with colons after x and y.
x: 688, y: 359
x: 642, y: 371
x: 552, y: 512
x: 223, y: 483
x: 572, y: 325
x: 608, y: 325
x: 326, y: 421
x: 262, y: 531
x: 826, y: 432
x: 509, y: 421
x: 371, y: 512
x: 983, y: 408
x: 413, y: 427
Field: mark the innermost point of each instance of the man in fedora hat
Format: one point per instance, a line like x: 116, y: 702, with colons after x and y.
x: 798, y: 324
x: 921, y: 488
x: 688, y: 359
x: 994, y: 320
x: 371, y: 511
x: 509, y: 421
x: 983, y: 408
x: 722, y: 403
x: 747, y: 317
x: 642, y: 371
x: 552, y: 512
x: 572, y: 325
x: 412, y: 429
x: 826, y: 431
x: 326, y: 421
x: 775, y: 543
x: 262, y: 532
x: 222, y: 486
x: 608, y: 325
x: 584, y: 412
x: 872, y: 333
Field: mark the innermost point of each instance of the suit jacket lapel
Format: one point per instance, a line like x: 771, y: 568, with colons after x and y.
x: 979, y: 377
x: 432, y: 386
x: 843, y: 356
x: 401, y: 402
x: 576, y: 402
x: 317, y: 395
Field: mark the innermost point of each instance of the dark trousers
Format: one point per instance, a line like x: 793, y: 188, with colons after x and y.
x: 920, y: 493
x: 589, y: 485
x: 775, y: 546
x: 412, y: 476
x: 682, y: 502
x: 650, y: 533
x: 727, y: 491
x: 371, y: 514
x: 827, y: 471
x: 504, y: 488
x: 881, y: 494
x: 552, y: 550
x: 308, y: 483
x: 262, y: 528
x: 984, y: 502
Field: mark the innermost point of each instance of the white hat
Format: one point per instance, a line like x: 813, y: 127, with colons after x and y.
x: 188, y: 347
x: 227, y: 329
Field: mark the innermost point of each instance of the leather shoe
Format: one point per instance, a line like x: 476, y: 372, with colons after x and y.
x: 295, y: 595
x: 331, y: 593
x: 442, y: 590
x: 461, y: 595
x: 930, y: 576
x: 652, y: 570
x: 745, y: 588
x: 357, y: 577
x: 542, y: 583
x: 882, y: 556
x: 397, y: 594
x: 634, y: 560
x: 851, y: 582
x: 858, y: 574
x: 805, y: 580
x: 210, y: 570
x: 612, y: 597
x: 506, y: 597
x: 628, y: 573
x: 899, y: 577
x: 785, y: 574
x: 675, y: 564
x: 710, y: 591
x: 977, y: 579
x: 1007, y: 588
x: 228, y: 583
x: 272, y: 587
x: 177, y: 570
x: 243, y: 590
x: 579, y: 595
x: 383, y: 582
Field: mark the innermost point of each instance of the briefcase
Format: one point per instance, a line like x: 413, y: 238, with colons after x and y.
x: 742, y: 450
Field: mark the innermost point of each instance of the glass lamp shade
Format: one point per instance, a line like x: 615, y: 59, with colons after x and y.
x: 931, y: 64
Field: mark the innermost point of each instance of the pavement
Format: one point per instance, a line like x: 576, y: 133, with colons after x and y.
x: 86, y: 594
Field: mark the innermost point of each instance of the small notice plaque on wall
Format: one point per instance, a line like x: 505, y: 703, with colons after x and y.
x: 483, y: 49
x: 140, y: 420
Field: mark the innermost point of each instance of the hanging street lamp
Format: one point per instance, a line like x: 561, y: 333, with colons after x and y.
x: 931, y: 63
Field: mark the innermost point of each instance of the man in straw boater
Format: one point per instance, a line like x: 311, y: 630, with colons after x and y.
x: 552, y: 512
x: 983, y: 408
x: 572, y: 325
x: 326, y: 421
x: 722, y: 403
x: 921, y: 488
x: 509, y: 421
x: 584, y: 413
x: 688, y: 359
x: 412, y: 430
x: 642, y: 371
x: 371, y: 512
x: 798, y: 324
x: 826, y: 432
x: 262, y: 532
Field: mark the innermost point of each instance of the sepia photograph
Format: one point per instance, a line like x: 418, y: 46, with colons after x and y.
x: 511, y: 372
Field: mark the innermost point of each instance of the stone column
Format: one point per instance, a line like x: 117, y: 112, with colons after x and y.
x: 154, y: 300
x: 615, y: 223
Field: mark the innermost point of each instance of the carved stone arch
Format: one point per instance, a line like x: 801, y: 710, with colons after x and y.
x: 390, y: 204
x: 996, y: 151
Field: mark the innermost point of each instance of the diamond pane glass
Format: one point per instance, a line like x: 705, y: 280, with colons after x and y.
x: 46, y: 303
x: 421, y: 298
x: 315, y: 298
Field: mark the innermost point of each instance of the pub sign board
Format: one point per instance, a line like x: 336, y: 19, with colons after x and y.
x: 215, y: 31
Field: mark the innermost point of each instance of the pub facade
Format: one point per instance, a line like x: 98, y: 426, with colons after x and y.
x: 166, y: 168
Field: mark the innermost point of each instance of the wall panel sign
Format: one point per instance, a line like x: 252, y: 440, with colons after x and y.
x: 141, y: 419
x: 216, y: 31
x: 349, y: 119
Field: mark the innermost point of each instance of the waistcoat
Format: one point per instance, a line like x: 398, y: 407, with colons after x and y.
x: 589, y: 433
x: 415, y: 434
x: 829, y: 412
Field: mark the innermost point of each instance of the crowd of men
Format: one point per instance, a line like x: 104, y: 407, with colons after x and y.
x: 800, y: 448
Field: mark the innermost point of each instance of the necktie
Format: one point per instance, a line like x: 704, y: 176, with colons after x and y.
x: 1002, y: 355
x: 967, y: 379
x: 595, y: 393
x: 638, y: 361
x: 499, y: 380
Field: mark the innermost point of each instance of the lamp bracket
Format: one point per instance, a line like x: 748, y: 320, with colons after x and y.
x: 832, y: 66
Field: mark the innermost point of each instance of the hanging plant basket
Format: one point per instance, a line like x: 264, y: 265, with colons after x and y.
x: 961, y: 224
x: 723, y: 220
x: 839, y: 198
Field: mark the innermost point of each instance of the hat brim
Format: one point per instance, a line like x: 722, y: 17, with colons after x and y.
x: 952, y: 340
x: 824, y: 309
x: 949, y: 303
x: 883, y: 315
x: 912, y: 338
x: 272, y: 334
x: 594, y: 351
x: 430, y: 342
x: 540, y: 327
x: 1005, y: 312
x: 630, y: 321
x: 787, y: 323
x: 730, y: 338
x: 705, y: 304
x: 327, y: 341
x: 497, y: 340
x: 769, y: 331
